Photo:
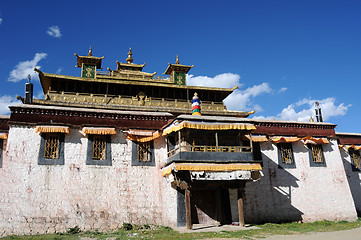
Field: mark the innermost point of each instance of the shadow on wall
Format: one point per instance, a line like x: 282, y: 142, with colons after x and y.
x: 353, y: 179
x: 270, y: 198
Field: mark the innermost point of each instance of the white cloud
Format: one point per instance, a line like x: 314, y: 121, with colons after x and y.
x: 23, y: 69
x: 39, y: 95
x: 54, y: 31
x: 224, y: 80
x: 5, y: 101
x: 1, y: 20
x: 59, y: 70
x: 293, y: 112
x: 241, y: 100
x: 282, y: 90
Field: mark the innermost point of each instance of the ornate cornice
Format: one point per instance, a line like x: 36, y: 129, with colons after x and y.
x: 81, y: 116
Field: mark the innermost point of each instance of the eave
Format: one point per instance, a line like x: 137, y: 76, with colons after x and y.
x: 45, y: 79
x: 177, y: 67
x: 90, y: 59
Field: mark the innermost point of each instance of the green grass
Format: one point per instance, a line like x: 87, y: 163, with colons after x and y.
x: 129, y: 231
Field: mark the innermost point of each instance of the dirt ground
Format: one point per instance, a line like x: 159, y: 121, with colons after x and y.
x: 353, y: 234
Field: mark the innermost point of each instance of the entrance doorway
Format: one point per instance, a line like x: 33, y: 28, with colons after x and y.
x: 210, y: 206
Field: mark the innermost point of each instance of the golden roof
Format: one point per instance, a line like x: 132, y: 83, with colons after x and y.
x: 177, y: 67
x: 97, y: 61
x: 46, y: 79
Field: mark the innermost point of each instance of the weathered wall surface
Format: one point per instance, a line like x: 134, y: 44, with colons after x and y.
x: 354, y: 179
x: 303, y: 193
x: 43, y: 199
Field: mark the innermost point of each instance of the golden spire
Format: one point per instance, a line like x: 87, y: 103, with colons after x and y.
x: 129, y: 58
x: 177, y: 61
x: 90, y: 51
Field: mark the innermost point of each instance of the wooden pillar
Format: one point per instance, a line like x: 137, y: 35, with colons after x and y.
x: 240, y: 207
x: 188, y: 209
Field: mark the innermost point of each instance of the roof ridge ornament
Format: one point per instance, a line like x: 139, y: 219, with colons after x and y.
x: 177, y: 61
x: 90, y: 51
x: 129, y: 58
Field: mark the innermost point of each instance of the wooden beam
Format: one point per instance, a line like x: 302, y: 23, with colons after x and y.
x: 188, y: 209
x: 240, y: 207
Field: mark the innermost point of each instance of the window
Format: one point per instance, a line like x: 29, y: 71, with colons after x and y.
x: 99, y: 150
x: 51, y: 149
x: 99, y: 147
x: 257, y: 155
x: 52, y: 143
x: 355, y: 159
x: 286, y: 155
x: 316, y: 155
x: 143, y: 154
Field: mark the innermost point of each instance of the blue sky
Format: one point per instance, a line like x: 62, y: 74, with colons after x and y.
x: 283, y: 55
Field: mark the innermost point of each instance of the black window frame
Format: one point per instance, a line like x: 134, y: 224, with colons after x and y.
x: 99, y: 162
x: 357, y: 152
x: 313, y: 163
x: 136, y: 162
x: 281, y: 163
x: 51, y: 161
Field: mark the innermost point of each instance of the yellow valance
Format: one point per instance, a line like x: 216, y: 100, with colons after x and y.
x: 356, y: 147
x: 98, y: 131
x: 315, y: 141
x: 3, y: 136
x: 138, y: 138
x: 140, y: 132
x: 258, y: 138
x: 285, y: 139
x: 176, y: 126
x: 211, y: 167
x: 52, y: 129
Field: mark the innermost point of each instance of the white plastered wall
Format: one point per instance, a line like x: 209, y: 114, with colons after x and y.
x: 303, y: 193
x: 44, y: 199
x: 353, y: 177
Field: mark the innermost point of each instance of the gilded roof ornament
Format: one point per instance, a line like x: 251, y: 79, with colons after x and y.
x: 129, y: 58
x: 177, y: 61
x: 90, y: 51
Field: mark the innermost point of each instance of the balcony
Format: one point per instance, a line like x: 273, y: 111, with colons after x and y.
x: 214, y: 154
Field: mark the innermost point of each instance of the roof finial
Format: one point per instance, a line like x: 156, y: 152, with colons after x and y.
x: 90, y: 51
x: 129, y: 58
x: 29, y: 77
x: 177, y: 61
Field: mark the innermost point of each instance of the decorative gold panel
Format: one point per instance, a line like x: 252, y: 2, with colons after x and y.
x: 115, y: 101
x: 52, y: 142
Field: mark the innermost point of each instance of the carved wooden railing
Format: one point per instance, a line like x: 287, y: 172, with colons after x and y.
x: 113, y: 100
x: 203, y: 148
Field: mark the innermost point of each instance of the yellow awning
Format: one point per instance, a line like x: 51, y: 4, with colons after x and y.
x: 284, y: 139
x: 3, y: 136
x: 140, y: 132
x: 211, y: 167
x: 356, y: 147
x: 315, y: 141
x: 176, y: 126
x: 52, y: 129
x: 138, y: 138
x: 98, y: 131
x: 258, y: 138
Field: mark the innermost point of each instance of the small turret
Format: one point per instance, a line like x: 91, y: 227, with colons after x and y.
x: 89, y: 64
x: 318, y: 112
x: 177, y: 72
